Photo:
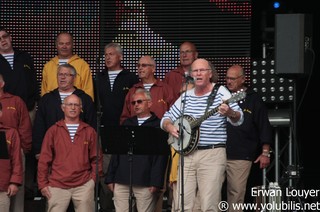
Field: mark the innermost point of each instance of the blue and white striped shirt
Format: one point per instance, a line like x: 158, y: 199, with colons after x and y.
x: 112, y: 77
x: 72, y: 130
x: 9, y: 58
x: 213, y: 129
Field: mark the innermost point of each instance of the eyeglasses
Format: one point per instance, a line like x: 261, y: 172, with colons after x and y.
x: 186, y: 52
x: 72, y: 104
x: 139, y: 101
x: 143, y: 65
x: 201, y: 70
x: 5, y: 36
x: 233, y: 78
x: 65, y: 75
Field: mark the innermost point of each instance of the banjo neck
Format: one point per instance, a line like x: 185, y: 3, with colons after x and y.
x: 197, y: 122
x: 235, y: 97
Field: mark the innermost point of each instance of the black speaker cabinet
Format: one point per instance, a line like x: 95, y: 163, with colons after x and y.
x: 293, y: 40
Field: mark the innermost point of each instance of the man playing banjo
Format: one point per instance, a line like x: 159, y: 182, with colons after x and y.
x: 203, y: 136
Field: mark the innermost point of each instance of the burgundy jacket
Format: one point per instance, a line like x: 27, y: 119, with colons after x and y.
x: 162, y: 98
x: 175, y: 78
x: 67, y: 164
x: 15, y: 115
x: 10, y: 159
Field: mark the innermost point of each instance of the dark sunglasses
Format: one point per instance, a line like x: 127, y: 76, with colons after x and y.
x: 139, y: 101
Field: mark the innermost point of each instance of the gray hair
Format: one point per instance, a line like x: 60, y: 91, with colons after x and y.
x: 214, y: 72
x: 114, y: 45
x: 146, y: 93
x: 68, y: 66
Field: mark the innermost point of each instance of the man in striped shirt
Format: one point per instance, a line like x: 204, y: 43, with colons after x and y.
x: 69, y: 161
x: 17, y: 70
x: 204, y: 168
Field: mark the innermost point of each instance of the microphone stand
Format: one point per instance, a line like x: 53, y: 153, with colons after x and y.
x: 180, y: 145
x: 130, y: 158
x: 98, y: 144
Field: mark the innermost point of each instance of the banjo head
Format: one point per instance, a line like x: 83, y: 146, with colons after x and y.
x: 189, y: 136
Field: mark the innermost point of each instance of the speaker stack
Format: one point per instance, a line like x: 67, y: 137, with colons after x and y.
x: 293, y: 40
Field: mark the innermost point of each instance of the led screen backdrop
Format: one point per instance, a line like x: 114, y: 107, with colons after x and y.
x: 220, y: 29
x: 35, y: 24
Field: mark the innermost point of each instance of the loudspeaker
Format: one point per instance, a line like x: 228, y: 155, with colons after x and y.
x: 293, y: 39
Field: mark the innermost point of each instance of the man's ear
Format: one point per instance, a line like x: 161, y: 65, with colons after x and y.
x: 62, y: 107
x: 2, y: 84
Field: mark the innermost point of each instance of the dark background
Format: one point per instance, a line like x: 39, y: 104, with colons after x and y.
x: 306, y: 137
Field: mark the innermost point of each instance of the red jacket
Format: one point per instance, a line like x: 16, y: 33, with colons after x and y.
x: 15, y: 115
x: 175, y: 78
x: 67, y: 164
x: 162, y: 98
x: 10, y: 167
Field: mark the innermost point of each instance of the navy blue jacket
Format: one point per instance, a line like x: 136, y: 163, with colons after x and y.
x: 49, y: 112
x: 147, y: 170
x: 245, y: 142
x: 112, y: 100
x: 22, y: 80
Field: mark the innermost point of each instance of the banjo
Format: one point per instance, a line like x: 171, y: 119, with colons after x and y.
x: 190, y: 127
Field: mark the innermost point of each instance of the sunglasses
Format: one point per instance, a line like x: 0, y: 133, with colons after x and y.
x: 139, y: 101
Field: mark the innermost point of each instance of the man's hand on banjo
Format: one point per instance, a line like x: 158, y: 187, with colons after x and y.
x: 170, y: 128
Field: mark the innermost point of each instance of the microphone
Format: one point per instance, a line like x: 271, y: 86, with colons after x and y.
x: 189, y: 79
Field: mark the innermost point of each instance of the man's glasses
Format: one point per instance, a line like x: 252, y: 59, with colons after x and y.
x: 139, y: 101
x: 186, y: 52
x: 143, y: 65
x: 202, y: 70
x: 65, y: 75
x: 72, y: 104
x: 233, y: 78
x: 5, y: 36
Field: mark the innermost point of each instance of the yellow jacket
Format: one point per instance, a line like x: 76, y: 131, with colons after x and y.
x: 83, y: 79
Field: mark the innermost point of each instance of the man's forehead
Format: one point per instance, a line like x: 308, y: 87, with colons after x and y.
x: 64, y: 69
x: 138, y: 95
x: 199, y: 64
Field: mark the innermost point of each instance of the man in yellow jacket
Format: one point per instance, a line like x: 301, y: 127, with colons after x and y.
x: 64, y: 45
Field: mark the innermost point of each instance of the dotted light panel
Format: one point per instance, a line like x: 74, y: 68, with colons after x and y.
x: 35, y: 24
x: 271, y: 87
x: 220, y: 30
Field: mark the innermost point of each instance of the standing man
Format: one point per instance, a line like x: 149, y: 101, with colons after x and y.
x: 64, y: 45
x: 112, y: 85
x: 148, y: 171
x: 68, y: 161
x: 249, y: 142
x: 11, y: 171
x: 49, y: 110
x: 17, y: 68
x: 162, y: 95
x: 204, y: 168
x: 177, y: 77
x: 15, y: 115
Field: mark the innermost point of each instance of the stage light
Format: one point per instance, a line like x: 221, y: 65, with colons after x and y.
x: 276, y: 5
x: 272, y: 88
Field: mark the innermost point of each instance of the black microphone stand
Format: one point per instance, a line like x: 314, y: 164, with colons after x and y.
x: 98, y: 145
x: 130, y: 158
x: 180, y: 144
